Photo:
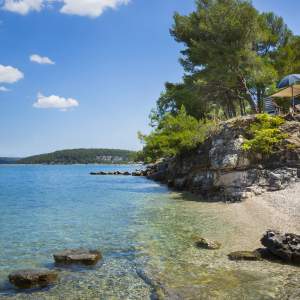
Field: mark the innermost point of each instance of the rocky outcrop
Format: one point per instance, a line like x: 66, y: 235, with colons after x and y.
x: 284, y: 246
x: 78, y: 256
x: 26, y: 279
x: 220, y: 169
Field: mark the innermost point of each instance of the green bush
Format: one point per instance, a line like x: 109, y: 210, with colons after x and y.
x: 265, y: 134
x: 174, y: 134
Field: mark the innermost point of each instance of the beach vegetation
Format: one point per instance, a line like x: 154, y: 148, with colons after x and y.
x: 265, y: 134
x: 173, y: 135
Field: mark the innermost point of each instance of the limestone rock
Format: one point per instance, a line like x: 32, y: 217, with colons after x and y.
x: 32, y: 278
x: 78, y: 256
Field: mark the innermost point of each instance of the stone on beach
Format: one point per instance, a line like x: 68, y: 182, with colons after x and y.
x: 78, y: 256
x: 285, y: 246
x: 30, y: 278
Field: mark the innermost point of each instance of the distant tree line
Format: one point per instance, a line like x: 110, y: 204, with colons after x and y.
x: 8, y: 160
x: 82, y: 156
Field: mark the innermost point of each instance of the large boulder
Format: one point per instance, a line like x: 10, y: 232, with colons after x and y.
x: 285, y: 246
x: 78, y: 256
x: 32, y: 278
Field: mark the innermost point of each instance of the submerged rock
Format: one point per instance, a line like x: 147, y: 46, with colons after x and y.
x: 78, y: 256
x: 30, y: 278
x: 98, y: 173
x: 285, y: 246
x: 205, y: 244
x: 245, y: 255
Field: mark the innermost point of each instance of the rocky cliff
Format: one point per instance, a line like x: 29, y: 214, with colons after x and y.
x: 221, y: 169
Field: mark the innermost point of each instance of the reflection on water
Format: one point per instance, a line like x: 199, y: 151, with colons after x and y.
x: 144, y: 231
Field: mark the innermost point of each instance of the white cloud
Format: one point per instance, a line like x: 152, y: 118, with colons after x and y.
x: 89, y: 8
x: 23, y: 7
x: 10, y: 74
x: 54, y: 101
x: 43, y: 60
x: 4, y: 89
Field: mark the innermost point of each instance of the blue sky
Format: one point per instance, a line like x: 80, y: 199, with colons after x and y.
x: 96, y: 72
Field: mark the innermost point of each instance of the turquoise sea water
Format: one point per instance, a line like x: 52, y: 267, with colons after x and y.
x: 144, y: 231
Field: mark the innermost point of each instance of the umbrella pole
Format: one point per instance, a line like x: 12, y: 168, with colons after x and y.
x: 293, y: 99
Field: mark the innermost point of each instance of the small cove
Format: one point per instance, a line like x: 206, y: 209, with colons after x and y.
x: 144, y: 231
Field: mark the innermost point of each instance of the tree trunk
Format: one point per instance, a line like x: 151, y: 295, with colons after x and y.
x: 248, y: 95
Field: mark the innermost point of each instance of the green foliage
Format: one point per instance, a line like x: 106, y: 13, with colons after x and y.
x: 232, y: 56
x: 287, y: 59
x: 81, y: 156
x: 174, y: 135
x: 265, y: 134
x: 187, y: 94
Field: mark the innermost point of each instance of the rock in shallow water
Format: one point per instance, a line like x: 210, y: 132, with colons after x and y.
x: 78, y: 256
x: 30, y: 278
x: 244, y: 255
x: 285, y: 246
x: 205, y: 244
x: 111, y: 173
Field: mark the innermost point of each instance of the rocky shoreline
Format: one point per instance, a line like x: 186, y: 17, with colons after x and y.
x: 278, y: 247
x: 221, y: 170
x: 138, y: 172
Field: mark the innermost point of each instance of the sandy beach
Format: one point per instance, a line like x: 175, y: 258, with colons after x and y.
x: 279, y: 210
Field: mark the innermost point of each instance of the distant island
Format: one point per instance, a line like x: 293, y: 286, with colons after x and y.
x: 8, y: 160
x: 79, y: 156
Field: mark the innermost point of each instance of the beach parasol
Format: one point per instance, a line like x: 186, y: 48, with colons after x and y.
x: 289, y: 82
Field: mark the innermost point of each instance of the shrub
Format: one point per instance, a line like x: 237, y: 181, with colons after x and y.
x: 265, y: 134
x: 174, y: 134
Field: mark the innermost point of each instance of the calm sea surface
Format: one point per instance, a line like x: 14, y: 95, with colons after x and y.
x: 144, y: 231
